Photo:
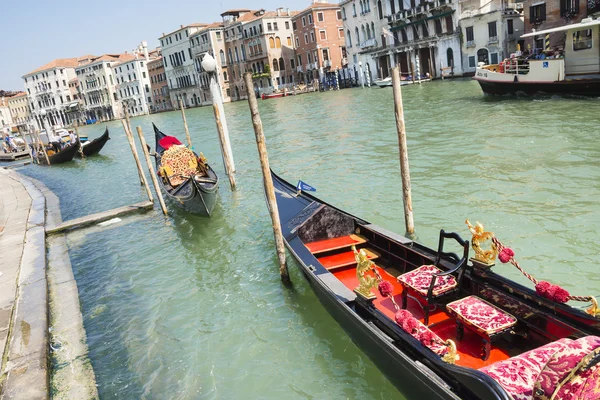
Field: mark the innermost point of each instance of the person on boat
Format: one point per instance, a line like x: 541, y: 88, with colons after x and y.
x: 54, y: 141
x: 72, y: 137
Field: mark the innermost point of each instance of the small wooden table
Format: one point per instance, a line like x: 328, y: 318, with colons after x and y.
x: 484, y: 319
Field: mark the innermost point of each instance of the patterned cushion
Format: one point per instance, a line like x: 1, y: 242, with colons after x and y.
x: 180, y: 162
x: 436, y: 347
x: 420, y: 279
x: 517, y: 375
x: 560, y: 365
x: 481, y: 315
x: 585, y: 385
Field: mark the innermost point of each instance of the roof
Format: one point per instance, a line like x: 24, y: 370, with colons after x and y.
x: 317, y: 6
x: 61, y: 63
x: 20, y: 94
x: 195, y: 24
x: 235, y: 11
x: 212, y: 25
x: 584, y: 24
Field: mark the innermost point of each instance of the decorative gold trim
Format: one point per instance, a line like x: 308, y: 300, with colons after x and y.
x: 593, y: 310
x: 365, y: 283
x: 452, y: 355
x: 480, y: 237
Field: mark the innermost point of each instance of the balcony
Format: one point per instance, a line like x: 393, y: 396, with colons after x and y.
x: 493, y: 40
x: 300, y: 69
x: 258, y: 54
x: 326, y: 63
x: 368, y: 43
x: 511, y: 37
x: 344, y: 61
x: 470, y: 43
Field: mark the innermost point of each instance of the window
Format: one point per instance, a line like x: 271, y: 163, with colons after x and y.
x: 281, y: 64
x: 310, y: 19
x: 438, y: 27
x: 323, y: 34
x: 272, y: 42
x: 299, y: 59
x: 492, y: 32
x: 289, y: 41
x: 340, y: 32
x: 494, y: 58
x: 321, y: 17
x: 287, y: 24
x: 292, y: 63
x: 269, y: 26
x: 305, y: 38
x: 294, y: 25
x: 509, y: 26
x: 144, y: 74
x: 277, y: 42
x: 275, y: 26
x: 449, y: 25
x: 303, y: 21
x: 379, y: 9
x: 312, y: 36
x: 582, y: 40
x: 569, y: 8
x: 537, y: 14
x: 275, y: 65
x: 469, y: 34
x: 354, y: 9
x: 472, y: 62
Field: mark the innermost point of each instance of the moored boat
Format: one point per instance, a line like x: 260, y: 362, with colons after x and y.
x: 265, y: 96
x: 187, y: 180
x: 574, y: 71
x: 440, y: 325
x: 92, y: 147
x: 66, y: 154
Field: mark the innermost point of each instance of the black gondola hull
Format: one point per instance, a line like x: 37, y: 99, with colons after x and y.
x: 65, y: 155
x: 194, y: 197
x: 95, y: 145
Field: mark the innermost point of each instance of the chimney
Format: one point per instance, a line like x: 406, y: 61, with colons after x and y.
x: 288, y: 11
x: 279, y: 12
x: 145, y: 49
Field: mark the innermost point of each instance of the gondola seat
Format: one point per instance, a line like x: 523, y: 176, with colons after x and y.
x: 432, y: 284
x: 564, y: 369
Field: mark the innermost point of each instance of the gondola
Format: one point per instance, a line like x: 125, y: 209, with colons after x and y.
x: 197, y: 194
x: 468, y: 334
x: 66, y: 154
x: 89, y: 148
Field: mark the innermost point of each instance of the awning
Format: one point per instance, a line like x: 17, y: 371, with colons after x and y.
x: 582, y: 25
x: 419, y: 21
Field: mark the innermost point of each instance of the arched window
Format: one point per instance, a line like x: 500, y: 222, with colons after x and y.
x: 379, y: 9
x: 222, y: 57
x: 271, y: 43
x: 237, y: 55
x: 225, y: 75
x: 349, y: 39
x: 404, y: 37
x: 483, y: 56
x: 277, y: 42
x: 275, y: 65
x: 354, y: 9
x: 344, y: 12
x: 357, y: 36
x: 243, y: 53
x: 230, y: 57
x: 281, y: 64
x: 368, y: 32
x: 364, y: 33
x: 450, y: 57
x: 373, y: 29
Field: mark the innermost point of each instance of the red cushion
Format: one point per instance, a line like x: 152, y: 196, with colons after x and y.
x: 168, y: 141
x: 420, y: 279
x: 481, y: 315
x: 518, y: 375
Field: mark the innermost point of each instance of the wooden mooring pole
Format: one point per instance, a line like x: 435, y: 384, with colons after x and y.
x: 226, y: 156
x: 79, y: 140
x: 127, y: 128
x: 138, y: 164
x: 404, y: 167
x: 41, y: 144
x: 34, y: 145
x: 187, y: 132
x: 151, y: 170
x: 267, y: 179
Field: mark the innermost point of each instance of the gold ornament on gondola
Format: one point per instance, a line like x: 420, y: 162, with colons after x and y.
x: 365, y: 283
x: 479, y: 237
x: 452, y: 355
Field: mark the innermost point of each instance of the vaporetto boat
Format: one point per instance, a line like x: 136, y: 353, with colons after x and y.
x: 574, y: 71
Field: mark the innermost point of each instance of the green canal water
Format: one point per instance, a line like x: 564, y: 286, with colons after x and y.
x: 192, y: 308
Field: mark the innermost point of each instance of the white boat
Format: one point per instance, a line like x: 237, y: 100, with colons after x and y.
x: 574, y: 72
x: 385, y: 82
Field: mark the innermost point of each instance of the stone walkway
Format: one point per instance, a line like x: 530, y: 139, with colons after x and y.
x: 23, y: 294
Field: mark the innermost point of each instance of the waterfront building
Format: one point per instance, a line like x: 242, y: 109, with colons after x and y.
x: 425, y: 37
x: 547, y: 14
x: 47, y: 89
x: 319, y: 40
x: 491, y: 31
x: 210, y: 39
x: 158, y: 86
x: 367, y: 37
x: 261, y: 42
x: 5, y: 116
x: 179, y: 65
x: 19, y: 110
x: 133, y: 83
x: 97, y: 89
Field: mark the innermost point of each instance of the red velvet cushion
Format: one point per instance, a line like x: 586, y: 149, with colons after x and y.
x: 420, y: 279
x: 168, y: 141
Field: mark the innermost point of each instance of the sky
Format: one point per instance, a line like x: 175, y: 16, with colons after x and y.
x: 36, y: 32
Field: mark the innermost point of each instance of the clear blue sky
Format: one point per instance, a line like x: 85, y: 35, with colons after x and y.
x: 36, y: 32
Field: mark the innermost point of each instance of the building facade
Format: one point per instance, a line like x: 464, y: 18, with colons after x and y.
x: 179, y: 65
x: 47, y: 89
x: 97, y: 88
x: 161, y: 100
x: 19, y: 110
x: 210, y: 40
x: 491, y: 31
x: 133, y: 85
x: 541, y: 15
x: 5, y: 117
x: 319, y: 40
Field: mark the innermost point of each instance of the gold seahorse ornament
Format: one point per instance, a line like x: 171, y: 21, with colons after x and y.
x: 480, y: 237
x: 365, y: 283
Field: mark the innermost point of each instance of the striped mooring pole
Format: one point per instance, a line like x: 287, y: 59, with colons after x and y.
x: 337, y: 79
x: 547, y: 42
x: 417, y: 62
